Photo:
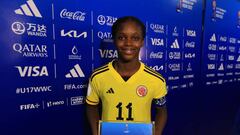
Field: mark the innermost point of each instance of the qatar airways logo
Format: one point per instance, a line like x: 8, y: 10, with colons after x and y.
x: 31, y: 50
x: 157, y: 28
x: 106, y: 20
x: 105, y: 36
x: 77, y: 15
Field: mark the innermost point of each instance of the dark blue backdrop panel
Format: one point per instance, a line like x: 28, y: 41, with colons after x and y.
x: 220, y: 67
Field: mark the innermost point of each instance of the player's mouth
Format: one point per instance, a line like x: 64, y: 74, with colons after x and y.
x: 128, y: 51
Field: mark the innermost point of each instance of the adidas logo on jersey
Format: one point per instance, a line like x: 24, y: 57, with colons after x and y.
x: 29, y: 9
x: 110, y: 91
x: 75, y: 72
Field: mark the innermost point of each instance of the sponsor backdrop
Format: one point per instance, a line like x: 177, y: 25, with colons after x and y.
x: 49, y: 49
x: 220, y: 93
x: 221, y: 59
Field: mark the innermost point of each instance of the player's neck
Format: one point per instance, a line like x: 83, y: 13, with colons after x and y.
x: 126, y: 68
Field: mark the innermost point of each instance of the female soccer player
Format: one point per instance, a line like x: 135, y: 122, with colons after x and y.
x: 125, y: 86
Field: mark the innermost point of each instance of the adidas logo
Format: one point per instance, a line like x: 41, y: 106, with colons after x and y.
x: 238, y: 59
x: 175, y: 44
x: 213, y: 38
x: 111, y: 91
x: 221, y: 67
x: 75, y: 72
x: 29, y: 9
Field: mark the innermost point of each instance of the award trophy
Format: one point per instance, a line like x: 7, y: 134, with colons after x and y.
x: 125, y: 128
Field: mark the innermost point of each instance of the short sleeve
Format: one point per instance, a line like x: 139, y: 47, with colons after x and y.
x: 92, y: 94
x: 160, y: 90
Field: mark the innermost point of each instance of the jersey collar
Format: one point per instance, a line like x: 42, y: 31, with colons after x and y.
x: 118, y: 77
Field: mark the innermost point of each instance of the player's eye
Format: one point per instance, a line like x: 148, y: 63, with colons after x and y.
x: 121, y: 38
x: 136, y: 38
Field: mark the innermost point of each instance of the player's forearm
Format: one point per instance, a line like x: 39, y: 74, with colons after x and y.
x: 93, y: 118
x: 160, y: 120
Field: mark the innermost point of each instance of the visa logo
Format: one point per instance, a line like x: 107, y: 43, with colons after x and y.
x: 30, y: 71
x: 157, y: 41
x: 108, y: 53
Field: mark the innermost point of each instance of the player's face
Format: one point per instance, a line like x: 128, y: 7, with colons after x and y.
x: 129, y: 41
x: 214, y: 4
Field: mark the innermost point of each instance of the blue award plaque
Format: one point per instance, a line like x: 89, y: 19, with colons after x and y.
x: 121, y: 128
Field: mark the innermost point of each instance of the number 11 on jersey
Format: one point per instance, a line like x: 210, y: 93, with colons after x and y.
x: 129, y: 107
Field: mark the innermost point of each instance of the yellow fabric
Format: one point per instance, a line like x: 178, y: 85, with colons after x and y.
x: 120, y: 99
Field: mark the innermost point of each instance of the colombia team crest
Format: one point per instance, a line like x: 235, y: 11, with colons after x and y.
x: 141, y: 91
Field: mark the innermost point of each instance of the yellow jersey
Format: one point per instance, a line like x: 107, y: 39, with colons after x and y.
x: 125, y: 100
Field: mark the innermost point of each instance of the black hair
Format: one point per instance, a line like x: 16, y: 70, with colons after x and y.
x: 117, y: 24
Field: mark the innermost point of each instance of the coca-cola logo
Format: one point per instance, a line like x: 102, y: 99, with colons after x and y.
x: 77, y: 15
x: 156, y: 55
